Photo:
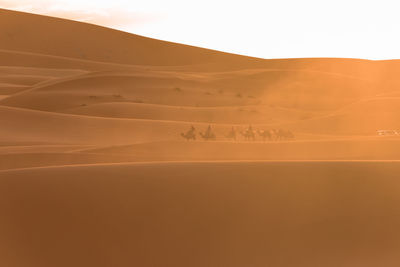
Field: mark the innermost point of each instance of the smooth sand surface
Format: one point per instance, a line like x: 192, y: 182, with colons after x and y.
x: 202, y: 214
x: 94, y: 170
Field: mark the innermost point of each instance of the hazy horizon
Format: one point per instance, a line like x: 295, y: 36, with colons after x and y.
x: 287, y: 29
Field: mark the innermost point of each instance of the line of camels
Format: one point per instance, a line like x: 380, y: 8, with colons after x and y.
x: 249, y: 134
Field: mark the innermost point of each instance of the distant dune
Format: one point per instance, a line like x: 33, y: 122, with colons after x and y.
x: 70, y: 83
x: 58, y: 37
x: 95, y: 168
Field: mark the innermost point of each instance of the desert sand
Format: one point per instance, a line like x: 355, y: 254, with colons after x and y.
x: 202, y: 214
x: 94, y: 170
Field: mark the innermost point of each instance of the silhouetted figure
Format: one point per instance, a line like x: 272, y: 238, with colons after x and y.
x: 283, y: 135
x: 265, y: 134
x: 249, y: 134
x: 274, y: 135
x: 289, y: 135
x: 190, y: 134
x: 208, y: 135
x: 232, y: 134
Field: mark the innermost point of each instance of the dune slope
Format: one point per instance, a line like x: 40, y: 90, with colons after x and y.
x: 201, y: 214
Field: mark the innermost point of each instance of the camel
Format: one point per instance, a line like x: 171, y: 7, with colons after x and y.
x: 208, y: 135
x: 265, y: 134
x: 274, y: 135
x: 190, y: 134
x: 232, y: 134
x: 289, y: 135
x: 249, y: 134
x: 283, y: 135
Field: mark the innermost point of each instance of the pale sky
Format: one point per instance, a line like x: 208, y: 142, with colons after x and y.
x: 265, y: 28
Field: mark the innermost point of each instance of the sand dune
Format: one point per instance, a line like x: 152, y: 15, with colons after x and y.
x: 85, y: 41
x: 41, y: 148
x: 289, y: 89
x: 10, y: 89
x: 12, y: 157
x: 256, y: 114
x: 13, y: 58
x: 10, y: 161
x: 94, y: 170
x: 386, y: 104
x: 24, y: 125
x: 132, y: 89
x: 86, y: 90
x: 363, y: 117
x: 202, y: 214
x: 23, y: 79
x: 34, y: 126
x: 342, y: 149
x: 49, y: 72
x: 356, y: 121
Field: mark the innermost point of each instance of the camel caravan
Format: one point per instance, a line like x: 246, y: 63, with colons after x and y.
x: 248, y: 134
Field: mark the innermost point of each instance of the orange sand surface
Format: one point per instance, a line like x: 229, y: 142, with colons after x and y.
x: 94, y: 169
x: 202, y: 214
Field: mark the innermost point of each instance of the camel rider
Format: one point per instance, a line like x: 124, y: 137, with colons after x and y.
x: 233, y: 132
x: 191, y: 132
x: 208, y: 133
x: 192, y: 129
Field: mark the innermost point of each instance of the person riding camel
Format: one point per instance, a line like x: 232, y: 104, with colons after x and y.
x: 209, y: 131
x: 208, y: 135
x: 249, y: 134
x: 232, y: 134
x: 190, y: 134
